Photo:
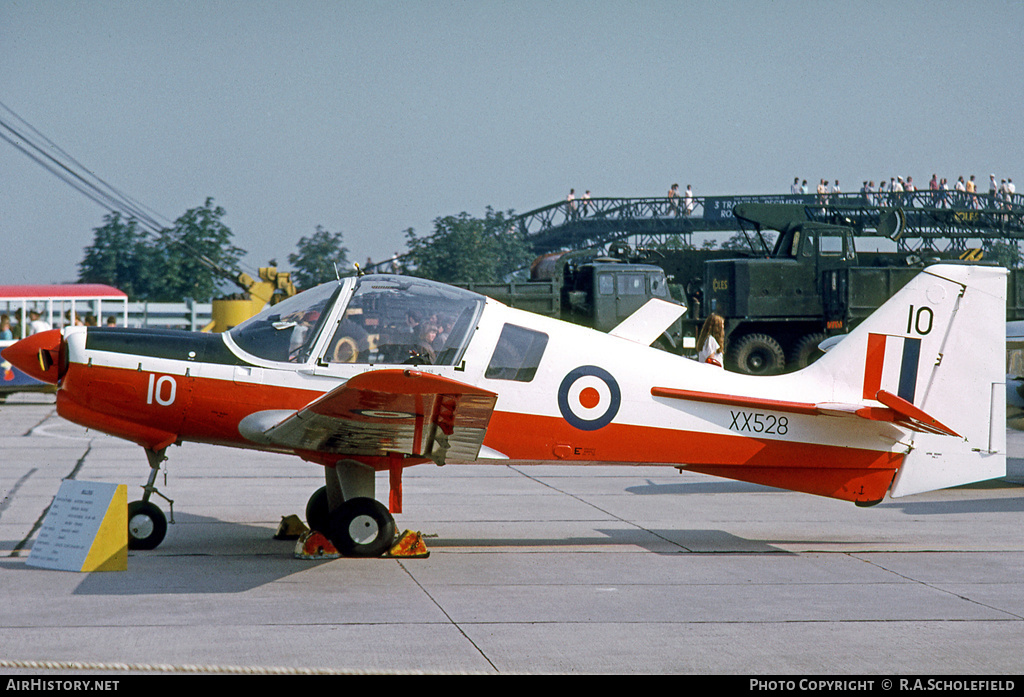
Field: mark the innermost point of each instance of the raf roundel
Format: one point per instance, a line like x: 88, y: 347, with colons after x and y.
x: 589, y: 398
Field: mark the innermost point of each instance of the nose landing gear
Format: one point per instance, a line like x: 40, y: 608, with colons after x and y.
x: 147, y: 524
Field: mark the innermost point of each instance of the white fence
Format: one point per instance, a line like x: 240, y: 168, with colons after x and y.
x: 184, y: 315
x: 187, y: 315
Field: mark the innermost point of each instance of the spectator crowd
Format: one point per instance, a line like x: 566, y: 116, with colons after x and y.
x: 897, y: 190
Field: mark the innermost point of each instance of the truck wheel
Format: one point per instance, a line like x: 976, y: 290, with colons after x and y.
x: 759, y: 354
x: 807, y: 350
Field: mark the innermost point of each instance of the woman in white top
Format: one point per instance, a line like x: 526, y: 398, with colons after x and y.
x: 711, y: 341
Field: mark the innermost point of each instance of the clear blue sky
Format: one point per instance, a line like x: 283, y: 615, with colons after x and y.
x: 372, y: 117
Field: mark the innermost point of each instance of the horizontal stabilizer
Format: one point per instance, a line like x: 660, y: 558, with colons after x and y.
x: 912, y: 417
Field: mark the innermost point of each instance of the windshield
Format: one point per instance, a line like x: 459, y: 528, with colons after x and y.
x: 399, y: 319
x: 286, y: 331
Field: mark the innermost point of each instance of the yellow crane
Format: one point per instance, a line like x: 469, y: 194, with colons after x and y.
x: 272, y: 287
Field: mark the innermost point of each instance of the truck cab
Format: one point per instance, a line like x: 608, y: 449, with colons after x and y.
x: 773, y: 305
x: 601, y: 294
x: 586, y: 288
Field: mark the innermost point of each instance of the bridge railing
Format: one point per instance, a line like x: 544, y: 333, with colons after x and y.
x: 941, y: 209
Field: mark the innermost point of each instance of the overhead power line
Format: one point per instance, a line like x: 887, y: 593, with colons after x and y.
x: 40, y: 149
x: 47, y: 154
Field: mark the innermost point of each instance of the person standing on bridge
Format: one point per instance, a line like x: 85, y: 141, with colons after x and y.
x: 571, y: 204
x: 688, y: 203
x: 673, y: 200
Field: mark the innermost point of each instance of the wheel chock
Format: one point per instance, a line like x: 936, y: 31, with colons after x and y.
x: 315, y: 545
x: 409, y: 544
x: 291, y: 528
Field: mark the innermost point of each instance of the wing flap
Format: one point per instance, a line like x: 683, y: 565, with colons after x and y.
x: 392, y: 411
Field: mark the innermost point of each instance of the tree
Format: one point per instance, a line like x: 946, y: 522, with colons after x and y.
x: 119, y: 256
x: 189, y: 260
x: 320, y: 258
x: 464, y: 249
x: 749, y: 242
x: 1003, y: 252
x: 195, y: 256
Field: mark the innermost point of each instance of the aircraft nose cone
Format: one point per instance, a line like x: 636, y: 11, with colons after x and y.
x: 38, y: 356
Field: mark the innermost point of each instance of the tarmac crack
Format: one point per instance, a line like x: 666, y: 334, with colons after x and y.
x: 31, y: 430
x: 937, y: 589
x: 602, y: 510
x: 14, y: 490
x: 16, y: 552
x: 449, y: 617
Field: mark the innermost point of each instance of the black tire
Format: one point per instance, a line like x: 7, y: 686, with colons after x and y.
x: 318, y: 513
x: 146, y: 525
x: 759, y: 354
x: 362, y: 527
x: 807, y: 351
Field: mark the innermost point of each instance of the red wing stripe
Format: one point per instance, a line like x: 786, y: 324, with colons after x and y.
x: 899, y: 410
x: 735, y: 401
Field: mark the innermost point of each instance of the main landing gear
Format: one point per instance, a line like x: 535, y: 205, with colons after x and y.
x: 347, y: 513
x: 344, y: 510
x: 146, y: 522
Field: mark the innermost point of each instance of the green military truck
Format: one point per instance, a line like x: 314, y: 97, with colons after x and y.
x: 587, y: 289
x: 809, y: 285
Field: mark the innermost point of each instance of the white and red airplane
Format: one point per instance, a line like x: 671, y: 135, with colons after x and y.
x: 379, y: 373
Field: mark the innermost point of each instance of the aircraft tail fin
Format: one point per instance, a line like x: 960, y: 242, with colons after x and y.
x: 932, y: 360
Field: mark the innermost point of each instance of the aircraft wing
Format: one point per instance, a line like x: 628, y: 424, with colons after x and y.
x: 896, y: 409
x: 383, y: 412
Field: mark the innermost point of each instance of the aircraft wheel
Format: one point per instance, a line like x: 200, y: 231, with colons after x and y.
x: 362, y: 527
x: 146, y: 525
x: 807, y: 350
x: 318, y: 514
x: 759, y: 354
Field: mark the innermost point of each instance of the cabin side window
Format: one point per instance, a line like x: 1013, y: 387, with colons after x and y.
x: 517, y: 354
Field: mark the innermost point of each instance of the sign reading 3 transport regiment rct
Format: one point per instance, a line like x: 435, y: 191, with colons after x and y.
x: 85, y: 529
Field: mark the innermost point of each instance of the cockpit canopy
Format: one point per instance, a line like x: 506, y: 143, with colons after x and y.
x: 387, y: 319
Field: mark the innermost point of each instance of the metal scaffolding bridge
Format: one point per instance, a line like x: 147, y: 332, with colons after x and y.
x: 941, y: 221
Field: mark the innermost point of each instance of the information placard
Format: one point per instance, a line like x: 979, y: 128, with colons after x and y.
x: 86, y: 529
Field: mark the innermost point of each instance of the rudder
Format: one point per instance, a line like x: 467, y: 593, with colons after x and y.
x: 936, y: 350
